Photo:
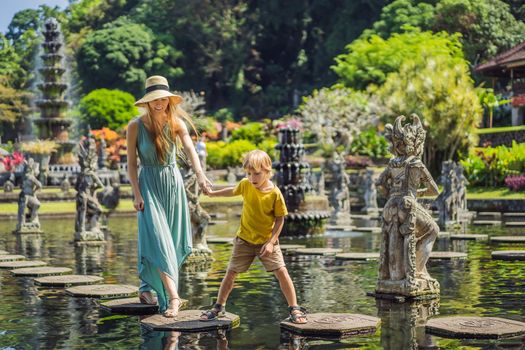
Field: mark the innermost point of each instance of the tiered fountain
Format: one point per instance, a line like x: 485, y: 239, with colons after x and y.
x: 52, y: 124
x: 306, y: 215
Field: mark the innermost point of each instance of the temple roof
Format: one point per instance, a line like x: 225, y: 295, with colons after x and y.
x: 501, y: 65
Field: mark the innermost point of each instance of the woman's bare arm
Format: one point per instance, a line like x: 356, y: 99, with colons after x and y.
x: 131, y: 139
x: 189, y: 149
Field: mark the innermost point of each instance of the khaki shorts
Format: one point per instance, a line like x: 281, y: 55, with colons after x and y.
x: 244, y: 253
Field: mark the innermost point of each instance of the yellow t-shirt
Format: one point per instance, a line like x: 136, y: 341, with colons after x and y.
x: 259, y: 211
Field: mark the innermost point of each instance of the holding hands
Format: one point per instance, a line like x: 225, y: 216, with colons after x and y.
x: 204, y: 183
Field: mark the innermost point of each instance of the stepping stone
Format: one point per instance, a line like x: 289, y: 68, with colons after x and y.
x: 472, y: 327
x: 470, y: 237
x: 334, y: 325
x: 339, y: 227
x: 494, y: 214
x: 103, y: 291
x: 447, y: 255
x: 132, y: 306
x: 514, y: 215
x: 508, y: 255
x: 357, y: 256
x: 219, y: 240
x: 217, y: 222
x: 508, y: 239
x: 288, y: 247
x: 21, y: 263
x: 368, y: 229
x: 65, y: 281
x: 40, y: 271
x: 317, y: 251
x: 486, y: 222
x: 443, y: 234
x: 4, y: 252
x: 11, y: 257
x: 188, y: 321
x: 515, y: 223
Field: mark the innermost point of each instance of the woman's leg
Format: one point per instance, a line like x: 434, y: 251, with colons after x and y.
x: 174, y: 301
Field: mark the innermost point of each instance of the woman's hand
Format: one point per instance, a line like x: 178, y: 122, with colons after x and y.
x: 138, y: 203
x: 204, y: 183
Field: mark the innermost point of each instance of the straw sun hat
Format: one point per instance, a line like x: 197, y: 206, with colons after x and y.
x: 157, y: 87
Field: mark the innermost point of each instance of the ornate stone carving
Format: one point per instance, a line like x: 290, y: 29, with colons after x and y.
x: 339, y: 194
x: 199, y: 217
x: 28, y: 222
x: 370, y: 195
x: 452, y: 201
x: 88, y: 208
x: 408, y: 230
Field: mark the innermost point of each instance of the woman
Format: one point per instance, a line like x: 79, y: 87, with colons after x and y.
x: 164, y: 238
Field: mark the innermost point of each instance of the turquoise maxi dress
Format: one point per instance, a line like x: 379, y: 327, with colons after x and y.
x: 164, y: 238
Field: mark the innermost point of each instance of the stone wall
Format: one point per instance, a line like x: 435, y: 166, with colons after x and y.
x: 502, y: 138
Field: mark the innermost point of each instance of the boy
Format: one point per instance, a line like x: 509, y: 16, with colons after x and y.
x: 262, y: 220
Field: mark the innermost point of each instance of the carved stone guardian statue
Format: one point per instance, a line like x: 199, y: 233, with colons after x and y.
x: 339, y: 194
x: 28, y: 222
x: 408, y: 230
x: 452, y: 201
x: 87, y: 226
x: 370, y: 195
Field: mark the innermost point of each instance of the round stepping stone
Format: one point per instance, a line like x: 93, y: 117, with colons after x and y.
x: 508, y: 239
x: 368, y: 229
x: 11, y: 257
x: 21, y: 263
x: 508, y: 255
x: 515, y: 223
x: 471, y: 327
x: 4, y: 252
x: 219, y: 240
x: 447, y: 255
x: 132, y: 306
x: 67, y: 280
x: 339, y: 227
x: 103, y: 291
x: 486, y: 222
x: 291, y: 246
x: 188, y: 321
x: 317, y: 251
x: 470, y: 237
x: 357, y: 256
x: 444, y: 234
x: 40, y: 271
x: 334, y: 325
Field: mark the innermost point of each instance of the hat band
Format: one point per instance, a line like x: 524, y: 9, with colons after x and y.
x: 157, y: 87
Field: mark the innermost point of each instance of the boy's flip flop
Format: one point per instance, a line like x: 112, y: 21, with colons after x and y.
x: 213, y: 314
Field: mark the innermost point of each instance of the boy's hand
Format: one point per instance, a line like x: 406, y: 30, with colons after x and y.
x: 266, y: 249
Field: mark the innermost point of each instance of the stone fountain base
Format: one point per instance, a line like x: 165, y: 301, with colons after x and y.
x: 420, y: 288
x: 310, y: 219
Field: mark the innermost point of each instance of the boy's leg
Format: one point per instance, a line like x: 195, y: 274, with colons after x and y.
x: 288, y: 290
x: 226, y: 287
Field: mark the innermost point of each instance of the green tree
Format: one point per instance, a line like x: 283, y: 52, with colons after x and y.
x: 94, y: 14
x: 107, y: 108
x: 14, y: 106
x: 370, y: 60
x: 122, y: 55
x: 439, y: 89
x: 9, y: 61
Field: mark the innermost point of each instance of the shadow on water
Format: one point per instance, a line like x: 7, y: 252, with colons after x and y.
x: 44, y: 318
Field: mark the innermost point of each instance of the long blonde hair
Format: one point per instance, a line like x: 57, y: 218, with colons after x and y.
x: 164, y: 141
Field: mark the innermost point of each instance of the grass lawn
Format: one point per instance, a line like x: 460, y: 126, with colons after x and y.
x: 124, y: 205
x: 493, y: 193
x: 502, y: 129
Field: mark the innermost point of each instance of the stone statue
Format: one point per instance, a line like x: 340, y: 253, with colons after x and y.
x: 370, y: 195
x: 88, y: 208
x: 65, y: 185
x: 9, y: 184
x: 199, y: 217
x: 452, y: 201
x: 408, y: 230
x: 102, y: 155
x: 28, y: 222
x: 339, y: 194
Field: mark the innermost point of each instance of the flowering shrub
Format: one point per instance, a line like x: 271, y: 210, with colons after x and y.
x: 11, y: 162
x: 515, y: 182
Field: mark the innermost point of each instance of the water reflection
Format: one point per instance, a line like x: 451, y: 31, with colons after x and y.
x: 177, y: 340
x: 90, y: 258
x: 29, y: 244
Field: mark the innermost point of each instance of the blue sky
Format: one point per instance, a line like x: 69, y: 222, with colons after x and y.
x: 9, y: 7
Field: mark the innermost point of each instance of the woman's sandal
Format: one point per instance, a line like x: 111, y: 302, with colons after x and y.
x: 147, y: 299
x: 170, y: 313
x: 295, y: 316
x: 214, y: 313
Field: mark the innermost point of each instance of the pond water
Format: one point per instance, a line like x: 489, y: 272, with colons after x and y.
x: 37, y: 318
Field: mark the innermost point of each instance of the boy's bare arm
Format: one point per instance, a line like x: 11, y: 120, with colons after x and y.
x: 267, y: 248
x: 225, y: 192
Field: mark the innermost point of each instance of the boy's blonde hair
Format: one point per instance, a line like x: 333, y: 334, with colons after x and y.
x: 257, y: 160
